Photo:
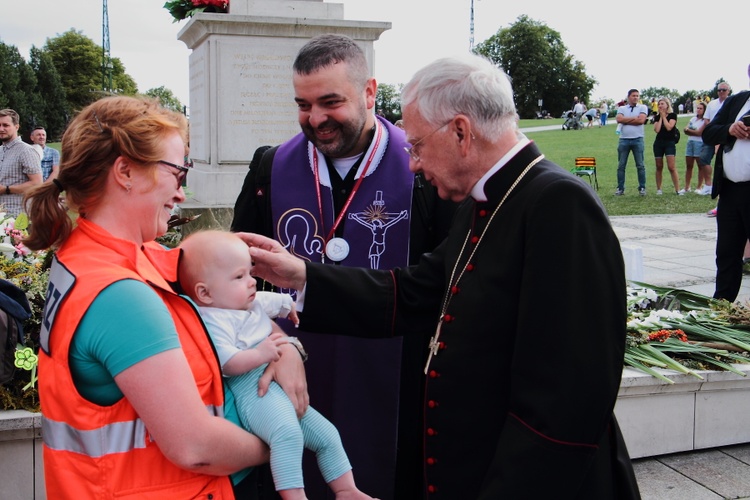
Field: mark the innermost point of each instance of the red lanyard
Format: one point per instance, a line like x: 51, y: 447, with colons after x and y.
x: 354, y: 190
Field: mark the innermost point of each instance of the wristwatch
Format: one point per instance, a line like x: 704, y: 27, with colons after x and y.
x: 298, y: 345
x: 7, y: 189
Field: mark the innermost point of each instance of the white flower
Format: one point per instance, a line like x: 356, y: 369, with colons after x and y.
x: 665, y: 313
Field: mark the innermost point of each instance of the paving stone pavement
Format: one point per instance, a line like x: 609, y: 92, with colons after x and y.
x: 678, y: 251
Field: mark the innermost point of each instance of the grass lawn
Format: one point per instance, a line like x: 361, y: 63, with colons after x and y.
x: 562, y: 146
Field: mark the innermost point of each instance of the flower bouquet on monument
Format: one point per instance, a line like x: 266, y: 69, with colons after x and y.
x: 182, y: 9
x: 26, y: 273
x: 674, y: 329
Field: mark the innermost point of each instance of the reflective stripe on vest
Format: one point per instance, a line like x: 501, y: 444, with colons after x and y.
x: 119, y: 437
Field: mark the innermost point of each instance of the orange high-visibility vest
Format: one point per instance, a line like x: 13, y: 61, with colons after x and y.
x: 97, y: 452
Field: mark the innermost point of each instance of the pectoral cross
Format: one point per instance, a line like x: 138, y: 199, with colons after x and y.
x: 434, y: 345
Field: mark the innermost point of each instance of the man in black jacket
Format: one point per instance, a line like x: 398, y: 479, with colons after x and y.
x: 341, y: 192
x: 731, y: 132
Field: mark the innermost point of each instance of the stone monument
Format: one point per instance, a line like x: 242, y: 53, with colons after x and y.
x: 241, y: 93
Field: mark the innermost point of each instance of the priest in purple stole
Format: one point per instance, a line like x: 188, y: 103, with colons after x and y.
x: 341, y: 193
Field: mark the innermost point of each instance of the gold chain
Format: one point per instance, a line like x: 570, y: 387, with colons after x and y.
x: 448, y: 293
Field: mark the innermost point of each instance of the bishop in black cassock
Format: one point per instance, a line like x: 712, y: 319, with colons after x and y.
x: 525, y: 303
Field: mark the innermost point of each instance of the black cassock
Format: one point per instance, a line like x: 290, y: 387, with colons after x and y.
x: 519, y: 398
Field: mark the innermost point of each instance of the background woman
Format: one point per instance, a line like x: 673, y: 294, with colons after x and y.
x: 665, y: 121
x: 603, y: 111
x: 130, y: 387
x: 694, y: 130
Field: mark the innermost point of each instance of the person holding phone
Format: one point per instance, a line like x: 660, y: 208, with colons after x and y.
x: 730, y: 130
x: 665, y: 120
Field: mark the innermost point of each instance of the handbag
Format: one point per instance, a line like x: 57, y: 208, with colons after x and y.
x: 676, y: 133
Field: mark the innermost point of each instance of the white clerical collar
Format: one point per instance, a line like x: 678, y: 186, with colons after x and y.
x: 343, y: 165
x: 477, y: 192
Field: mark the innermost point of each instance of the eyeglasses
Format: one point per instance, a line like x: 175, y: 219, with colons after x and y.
x: 411, y: 151
x: 182, y: 170
x: 723, y: 90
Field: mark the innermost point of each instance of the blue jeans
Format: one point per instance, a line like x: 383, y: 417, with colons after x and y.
x: 624, y: 147
x: 603, y: 118
x: 707, y: 154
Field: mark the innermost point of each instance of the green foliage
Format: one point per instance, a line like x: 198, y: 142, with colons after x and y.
x: 78, y: 60
x: 49, y: 87
x: 538, y: 62
x: 388, y: 99
x: 17, y: 82
x: 658, y: 92
x: 59, y: 79
x: 122, y: 83
x: 166, y: 98
x: 31, y: 274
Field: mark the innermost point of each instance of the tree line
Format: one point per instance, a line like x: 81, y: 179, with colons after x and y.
x: 542, y: 70
x: 61, y: 78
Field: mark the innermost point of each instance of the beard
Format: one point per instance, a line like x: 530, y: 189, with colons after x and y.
x: 345, y: 138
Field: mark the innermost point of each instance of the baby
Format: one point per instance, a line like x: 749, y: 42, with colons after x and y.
x: 215, y: 273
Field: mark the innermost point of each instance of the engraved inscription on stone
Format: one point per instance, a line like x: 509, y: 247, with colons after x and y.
x: 256, y: 104
x: 200, y: 140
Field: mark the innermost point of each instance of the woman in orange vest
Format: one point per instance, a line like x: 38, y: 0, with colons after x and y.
x: 132, y: 399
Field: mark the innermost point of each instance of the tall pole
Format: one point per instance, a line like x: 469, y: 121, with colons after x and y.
x: 471, y: 28
x: 106, y: 59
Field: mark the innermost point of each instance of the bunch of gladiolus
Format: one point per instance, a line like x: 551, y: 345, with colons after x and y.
x: 673, y: 329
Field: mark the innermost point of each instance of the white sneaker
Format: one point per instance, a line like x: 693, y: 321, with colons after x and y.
x: 706, y: 190
x: 658, y: 191
x: 681, y: 192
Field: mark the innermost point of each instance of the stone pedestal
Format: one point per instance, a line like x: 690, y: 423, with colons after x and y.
x: 241, y: 93
x: 657, y: 418
x: 21, y: 470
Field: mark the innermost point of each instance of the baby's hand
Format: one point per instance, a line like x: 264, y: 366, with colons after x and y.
x: 293, y: 316
x: 270, y: 349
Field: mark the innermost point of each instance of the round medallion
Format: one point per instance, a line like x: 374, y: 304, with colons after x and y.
x: 337, y: 249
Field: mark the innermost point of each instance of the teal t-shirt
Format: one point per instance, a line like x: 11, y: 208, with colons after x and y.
x: 126, y: 323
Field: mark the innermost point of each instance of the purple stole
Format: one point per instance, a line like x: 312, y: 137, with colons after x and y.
x: 352, y: 382
x: 376, y: 224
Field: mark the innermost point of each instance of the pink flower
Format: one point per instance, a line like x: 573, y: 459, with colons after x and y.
x: 22, y: 250
x: 215, y: 3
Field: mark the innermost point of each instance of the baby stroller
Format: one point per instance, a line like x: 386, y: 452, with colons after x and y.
x: 572, y: 121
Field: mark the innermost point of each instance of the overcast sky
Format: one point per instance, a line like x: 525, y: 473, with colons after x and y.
x: 663, y: 43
